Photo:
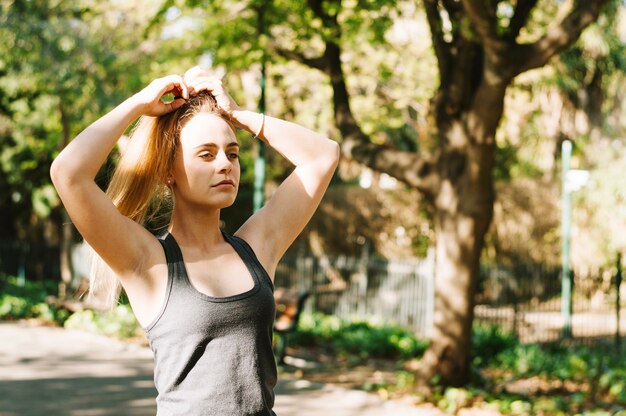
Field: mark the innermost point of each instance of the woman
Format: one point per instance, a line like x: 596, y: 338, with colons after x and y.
x: 203, y: 297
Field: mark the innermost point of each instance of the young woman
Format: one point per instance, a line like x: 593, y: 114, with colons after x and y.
x: 203, y: 297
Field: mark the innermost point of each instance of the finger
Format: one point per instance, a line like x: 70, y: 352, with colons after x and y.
x: 209, y: 85
x: 200, y: 85
x: 203, y: 78
x: 194, y: 72
x: 174, y: 105
x: 177, y: 103
x: 175, y: 82
x: 176, y: 91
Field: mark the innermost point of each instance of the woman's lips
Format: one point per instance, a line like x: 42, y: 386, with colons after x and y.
x: 225, y: 183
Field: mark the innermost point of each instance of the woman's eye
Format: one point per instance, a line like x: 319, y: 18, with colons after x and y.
x: 233, y: 155
x: 206, y: 155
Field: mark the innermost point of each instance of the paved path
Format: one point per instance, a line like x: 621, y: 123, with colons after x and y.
x: 52, y: 371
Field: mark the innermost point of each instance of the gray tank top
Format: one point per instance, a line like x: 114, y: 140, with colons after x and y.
x: 213, y: 356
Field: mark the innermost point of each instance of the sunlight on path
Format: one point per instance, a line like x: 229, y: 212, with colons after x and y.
x: 301, y: 398
x: 51, y: 371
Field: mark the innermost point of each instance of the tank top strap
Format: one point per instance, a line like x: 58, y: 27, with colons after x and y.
x: 173, y: 256
x: 245, y: 251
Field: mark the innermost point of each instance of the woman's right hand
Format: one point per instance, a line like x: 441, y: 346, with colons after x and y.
x: 150, y: 98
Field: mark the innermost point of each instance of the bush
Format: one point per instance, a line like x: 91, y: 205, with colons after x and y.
x: 600, y: 365
x: 358, y: 338
x: 28, y: 301
x: 119, y: 322
x: 13, y: 307
x: 488, y: 341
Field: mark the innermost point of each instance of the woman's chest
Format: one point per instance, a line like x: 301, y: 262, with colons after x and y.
x: 223, y: 276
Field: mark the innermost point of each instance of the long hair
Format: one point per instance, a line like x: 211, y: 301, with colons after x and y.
x: 138, y: 187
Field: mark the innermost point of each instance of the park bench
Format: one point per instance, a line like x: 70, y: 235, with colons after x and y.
x: 289, y: 305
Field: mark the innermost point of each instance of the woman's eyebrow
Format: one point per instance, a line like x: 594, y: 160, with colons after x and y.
x: 214, y: 145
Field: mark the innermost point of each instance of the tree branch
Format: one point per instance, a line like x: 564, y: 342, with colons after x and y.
x: 407, y: 167
x: 484, y: 23
x: 315, y: 63
x: 559, y: 37
x: 520, y: 18
x: 317, y: 6
x: 442, y: 48
x: 404, y: 166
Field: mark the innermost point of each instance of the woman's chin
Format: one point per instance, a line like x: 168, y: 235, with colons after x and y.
x: 224, y: 202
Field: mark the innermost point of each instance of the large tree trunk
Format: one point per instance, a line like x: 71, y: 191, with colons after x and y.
x: 448, y: 355
x: 467, y: 109
x: 464, y: 209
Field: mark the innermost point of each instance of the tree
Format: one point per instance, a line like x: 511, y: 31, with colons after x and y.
x: 62, y: 65
x: 481, y: 46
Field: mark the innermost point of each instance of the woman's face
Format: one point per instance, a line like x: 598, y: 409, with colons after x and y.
x: 206, y: 168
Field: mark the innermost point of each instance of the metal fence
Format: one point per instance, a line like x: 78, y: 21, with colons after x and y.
x: 399, y: 292
x: 522, y: 299
x: 526, y: 300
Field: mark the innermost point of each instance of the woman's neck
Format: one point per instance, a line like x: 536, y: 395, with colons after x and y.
x: 197, y: 228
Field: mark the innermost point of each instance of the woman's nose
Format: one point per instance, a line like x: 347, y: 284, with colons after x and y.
x: 224, y: 164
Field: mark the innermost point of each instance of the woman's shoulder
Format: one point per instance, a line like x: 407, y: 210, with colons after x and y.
x: 257, y: 242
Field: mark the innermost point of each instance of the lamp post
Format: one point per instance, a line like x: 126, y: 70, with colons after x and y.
x: 259, y: 162
x: 618, y: 303
x: 572, y: 180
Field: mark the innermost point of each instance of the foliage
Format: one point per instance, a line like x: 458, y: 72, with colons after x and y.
x: 563, y: 362
x: 595, y: 376
x: 28, y: 301
x: 576, y: 97
x: 488, y: 341
x: 360, y: 339
x: 62, y: 64
x: 119, y: 322
x: 557, y: 379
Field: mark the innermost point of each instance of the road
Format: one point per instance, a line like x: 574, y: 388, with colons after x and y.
x: 52, y: 371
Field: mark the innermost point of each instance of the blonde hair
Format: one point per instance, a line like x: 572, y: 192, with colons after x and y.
x: 138, y: 187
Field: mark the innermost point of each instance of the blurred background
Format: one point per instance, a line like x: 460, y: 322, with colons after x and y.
x: 480, y: 197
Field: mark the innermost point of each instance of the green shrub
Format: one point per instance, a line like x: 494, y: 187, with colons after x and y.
x: 13, y: 307
x: 119, y: 322
x: 28, y: 301
x: 357, y: 338
x: 35, y: 291
x: 488, y: 341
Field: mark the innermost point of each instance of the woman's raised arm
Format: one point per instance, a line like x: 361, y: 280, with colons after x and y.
x: 274, y: 228
x: 118, y: 240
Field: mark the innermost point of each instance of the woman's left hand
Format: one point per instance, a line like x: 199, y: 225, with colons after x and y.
x: 198, y: 79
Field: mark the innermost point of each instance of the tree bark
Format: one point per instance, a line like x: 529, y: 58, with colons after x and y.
x: 464, y: 209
